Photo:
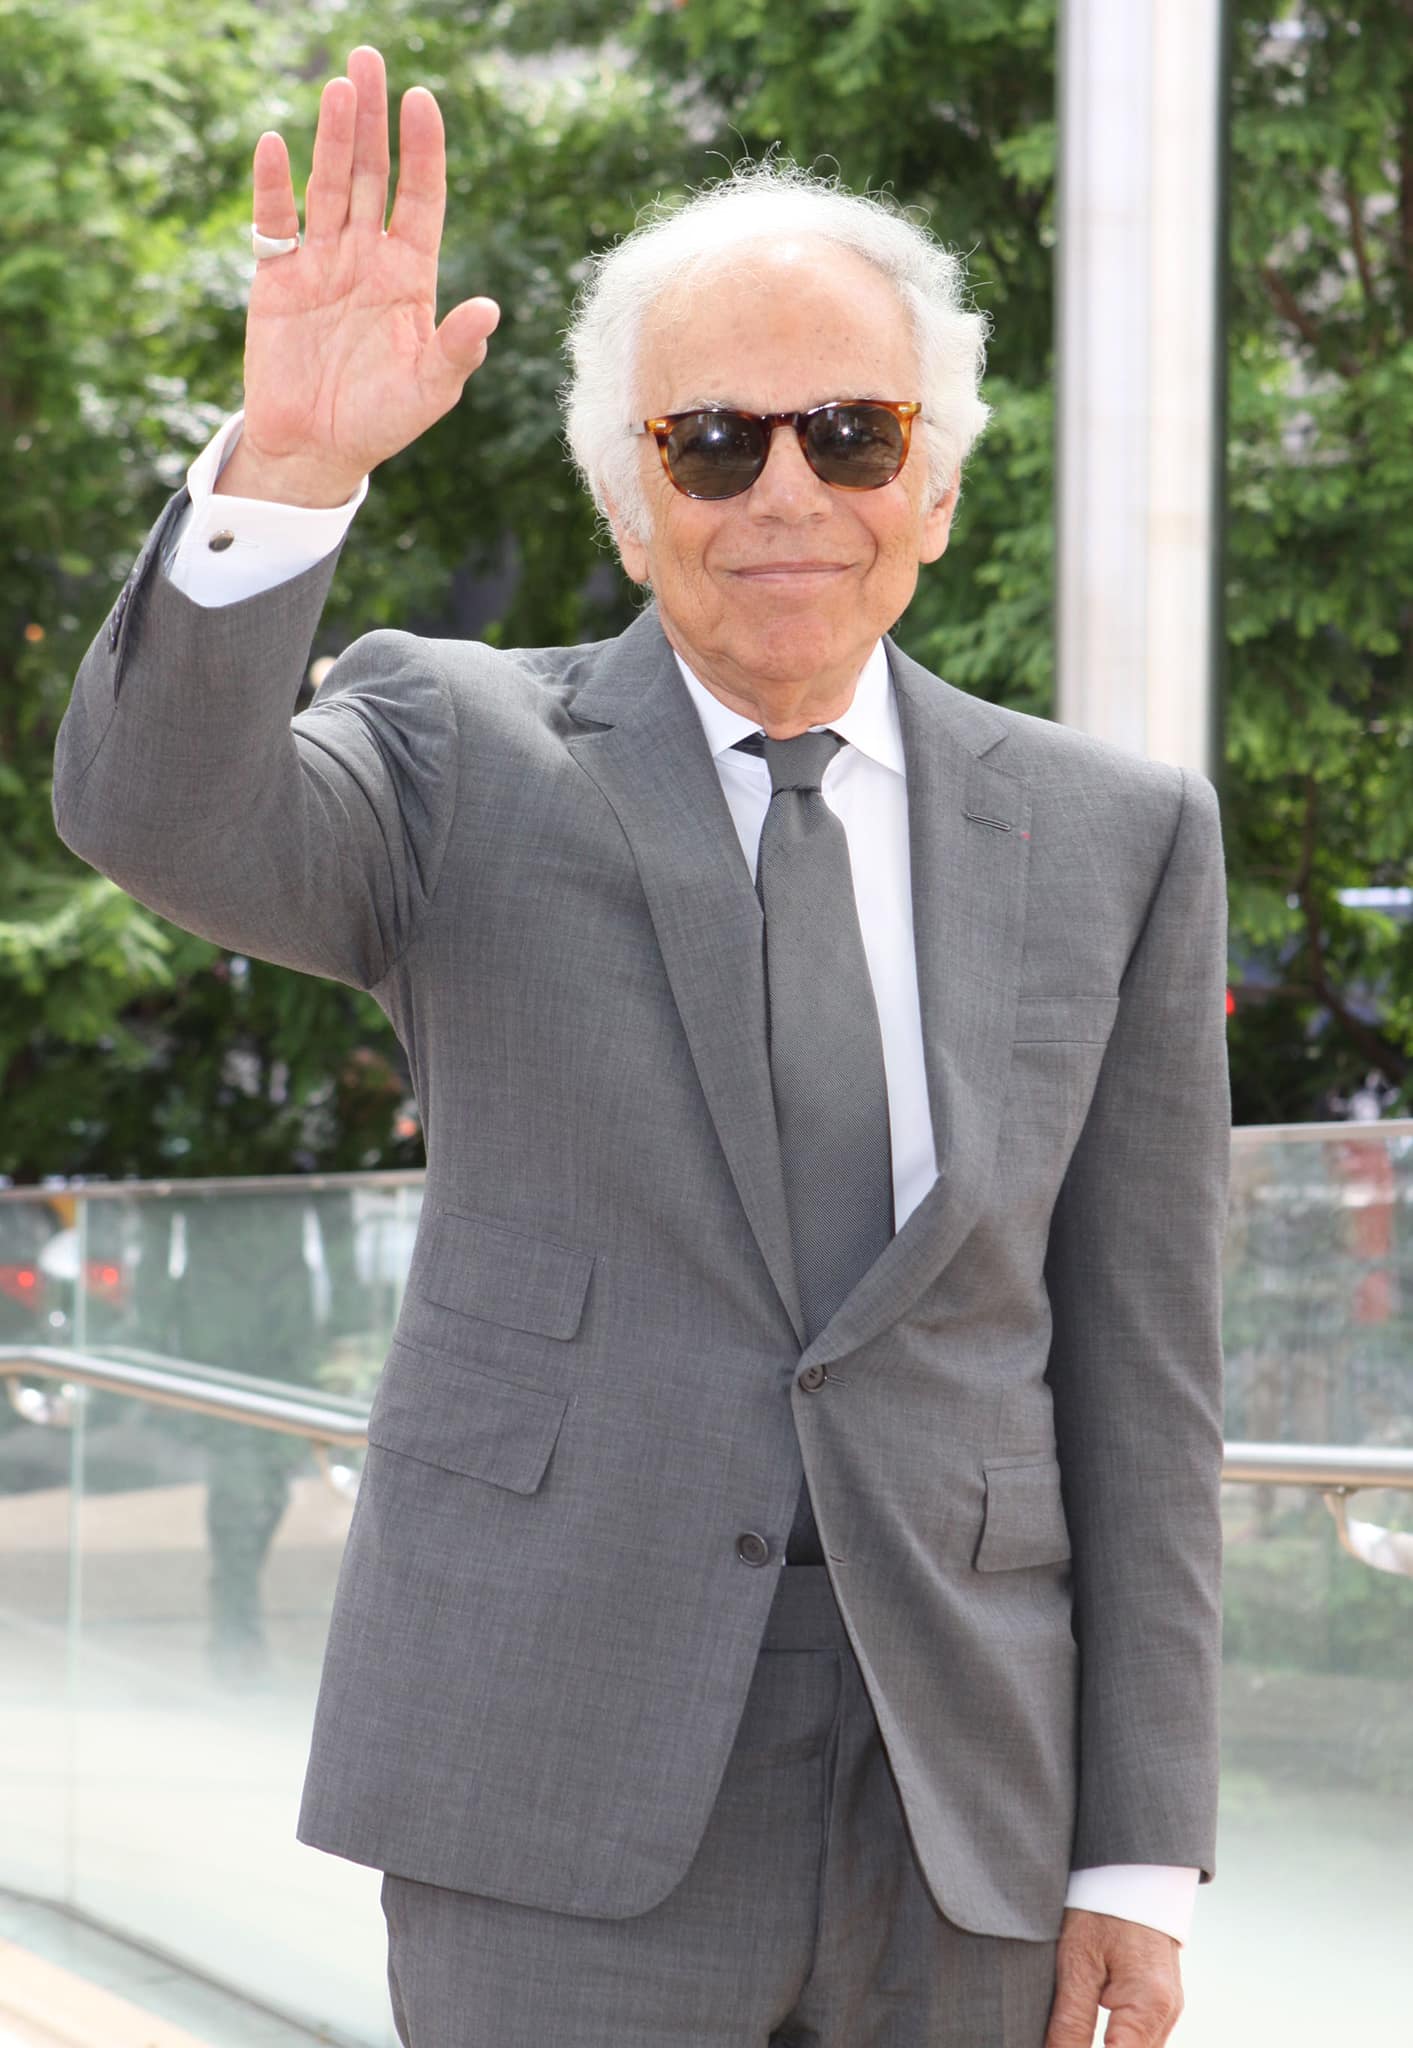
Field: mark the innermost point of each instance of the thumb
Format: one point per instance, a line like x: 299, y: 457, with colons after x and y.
x: 459, y: 345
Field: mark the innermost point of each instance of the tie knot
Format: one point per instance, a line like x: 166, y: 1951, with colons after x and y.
x: 794, y: 764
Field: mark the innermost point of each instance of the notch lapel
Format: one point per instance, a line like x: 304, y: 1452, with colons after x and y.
x: 650, y: 761
x: 968, y: 826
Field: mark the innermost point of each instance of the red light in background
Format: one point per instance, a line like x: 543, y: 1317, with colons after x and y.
x: 105, y: 1279
x: 21, y: 1283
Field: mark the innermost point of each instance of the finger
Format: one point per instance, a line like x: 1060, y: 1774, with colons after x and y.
x: 369, y: 202
x: 272, y: 207
x: 1144, y: 2021
x: 1074, y: 2011
x: 326, y: 196
x: 459, y: 346
x: 420, y: 206
x: 1073, y: 2018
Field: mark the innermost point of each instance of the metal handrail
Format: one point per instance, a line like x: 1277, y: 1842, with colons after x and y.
x: 202, y: 1389
x: 343, y: 1418
x: 1246, y: 1135
x: 220, y: 1184
x: 1346, y: 1466
x: 1338, y: 1471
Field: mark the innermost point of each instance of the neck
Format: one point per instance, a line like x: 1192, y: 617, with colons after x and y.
x: 783, y: 706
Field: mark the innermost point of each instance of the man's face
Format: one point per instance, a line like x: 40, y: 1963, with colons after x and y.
x: 792, y: 581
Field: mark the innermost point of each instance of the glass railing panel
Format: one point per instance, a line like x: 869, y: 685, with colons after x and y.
x: 301, y: 1286
x: 36, y: 1645
x: 1318, y: 1298
x: 179, y: 1697
x: 1304, y: 1937
x: 167, y: 1578
x: 36, y: 1509
x: 286, y: 1280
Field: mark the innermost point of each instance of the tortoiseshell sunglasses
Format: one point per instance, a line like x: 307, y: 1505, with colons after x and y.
x: 856, y: 444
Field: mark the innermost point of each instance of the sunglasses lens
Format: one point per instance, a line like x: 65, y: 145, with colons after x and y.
x: 714, y: 454
x: 858, y: 446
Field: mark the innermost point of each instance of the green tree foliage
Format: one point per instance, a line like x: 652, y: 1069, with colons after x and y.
x: 126, y: 133
x: 951, y: 111
x: 1320, y: 548
x: 126, y: 130
x: 117, y: 145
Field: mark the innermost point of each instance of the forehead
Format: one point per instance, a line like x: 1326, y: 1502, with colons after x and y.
x: 777, y: 326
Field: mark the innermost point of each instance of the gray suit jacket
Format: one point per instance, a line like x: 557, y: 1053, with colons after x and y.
x: 544, y: 1629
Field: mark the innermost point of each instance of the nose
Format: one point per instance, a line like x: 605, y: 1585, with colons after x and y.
x: 787, y: 487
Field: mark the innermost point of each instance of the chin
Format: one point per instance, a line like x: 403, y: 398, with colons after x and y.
x: 804, y: 633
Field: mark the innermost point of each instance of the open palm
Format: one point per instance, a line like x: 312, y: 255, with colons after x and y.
x: 344, y: 361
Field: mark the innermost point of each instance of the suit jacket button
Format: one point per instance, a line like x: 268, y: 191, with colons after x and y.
x: 813, y: 1378
x: 752, y: 1549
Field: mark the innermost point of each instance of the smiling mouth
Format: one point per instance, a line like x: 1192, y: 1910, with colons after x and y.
x: 793, y: 569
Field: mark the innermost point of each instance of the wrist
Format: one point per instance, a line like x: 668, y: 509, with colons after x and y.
x: 282, y: 481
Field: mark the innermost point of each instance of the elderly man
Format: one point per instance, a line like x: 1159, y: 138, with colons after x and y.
x: 782, y: 1601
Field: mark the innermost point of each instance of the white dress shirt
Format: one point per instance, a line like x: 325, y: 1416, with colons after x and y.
x: 223, y: 549
x: 865, y: 786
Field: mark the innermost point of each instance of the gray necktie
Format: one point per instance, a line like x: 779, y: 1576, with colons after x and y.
x: 826, y: 1053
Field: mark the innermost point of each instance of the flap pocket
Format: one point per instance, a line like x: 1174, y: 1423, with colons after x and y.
x: 500, y: 1275
x: 1064, y: 1020
x: 1024, y: 1517
x: 464, y: 1421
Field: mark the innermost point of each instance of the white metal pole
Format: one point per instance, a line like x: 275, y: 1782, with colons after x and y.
x: 1138, y: 380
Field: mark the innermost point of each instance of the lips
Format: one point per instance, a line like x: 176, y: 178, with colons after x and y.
x: 792, y: 569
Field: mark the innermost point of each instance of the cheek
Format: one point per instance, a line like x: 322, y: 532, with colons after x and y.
x: 899, y: 537
x: 885, y: 522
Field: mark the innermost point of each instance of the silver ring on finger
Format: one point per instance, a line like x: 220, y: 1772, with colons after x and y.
x: 272, y: 245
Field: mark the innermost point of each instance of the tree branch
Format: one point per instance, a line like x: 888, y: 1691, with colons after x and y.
x: 1290, y: 309
x: 1354, y: 206
x: 1405, y: 213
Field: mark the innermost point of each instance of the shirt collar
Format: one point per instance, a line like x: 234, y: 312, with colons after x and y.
x: 870, y: 723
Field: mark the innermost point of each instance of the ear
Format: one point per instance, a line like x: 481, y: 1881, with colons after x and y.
x: 937, y: 524
x: 632, y: 553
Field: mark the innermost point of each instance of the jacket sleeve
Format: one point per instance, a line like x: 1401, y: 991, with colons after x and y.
x: 314, y: 841
x: 1134, y: 1277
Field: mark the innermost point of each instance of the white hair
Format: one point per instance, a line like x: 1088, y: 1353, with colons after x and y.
x: 717, y: 225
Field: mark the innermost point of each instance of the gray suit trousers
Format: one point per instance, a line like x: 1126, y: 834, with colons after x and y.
x: 802, y: 1922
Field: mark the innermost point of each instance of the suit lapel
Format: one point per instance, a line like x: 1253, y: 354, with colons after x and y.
x: 650, y: 760
x: 968, y: 826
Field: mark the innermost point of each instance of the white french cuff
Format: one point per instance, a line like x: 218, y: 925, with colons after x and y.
x: 1160, y: 1895
x: 223, y: 549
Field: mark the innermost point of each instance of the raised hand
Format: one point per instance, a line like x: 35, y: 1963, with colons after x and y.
x: 344, y: 361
